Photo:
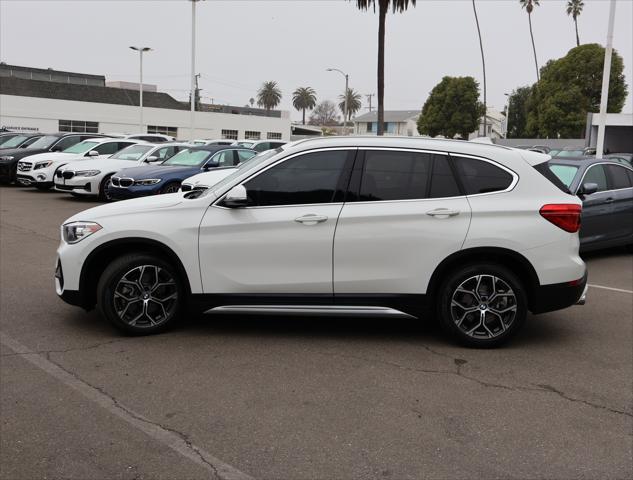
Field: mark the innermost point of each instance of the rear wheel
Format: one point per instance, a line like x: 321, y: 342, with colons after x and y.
x: 170, y: 188
x: 140, y: 294
x: 482, y: 305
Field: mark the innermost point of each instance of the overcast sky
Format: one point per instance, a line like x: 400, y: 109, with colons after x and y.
x: 243, y: 43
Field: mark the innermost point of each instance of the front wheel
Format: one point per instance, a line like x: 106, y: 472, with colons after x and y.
x: 140, y: 294
x: 482, y: 305
x: 104, y: 194
x: 170, y: 188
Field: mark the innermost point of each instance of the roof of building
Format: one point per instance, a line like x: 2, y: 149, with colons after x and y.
x: 390, y: 116
x: 86, y: 93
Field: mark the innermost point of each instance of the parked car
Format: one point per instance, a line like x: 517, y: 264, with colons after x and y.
x: 150, y: 137
x: 167, y: 176
x: 92, y: 177
x: 626, y: 157
x: 244, y: 143
x: 476, y: 233
x: 56, y: 142
x: 39, y: 170
x: 204, y: 180
x: 199, y: 142
x: 263, y: 145
x: 570, y: 152
x: 19, y: 141
x: 606, y: 189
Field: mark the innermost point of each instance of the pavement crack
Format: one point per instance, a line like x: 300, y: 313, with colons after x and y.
x: 549, y: 388
x: 73, y: 349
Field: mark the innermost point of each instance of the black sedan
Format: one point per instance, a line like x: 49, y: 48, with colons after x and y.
x: 606, y: 190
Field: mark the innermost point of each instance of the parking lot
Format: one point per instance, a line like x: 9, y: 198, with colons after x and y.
x: 302, y: 398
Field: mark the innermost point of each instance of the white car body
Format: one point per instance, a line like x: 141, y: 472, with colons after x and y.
x: 88, y: 177
x: 39, y: 170
x: 206, y: 179
x: 341, y: 257
x: 208, y: 141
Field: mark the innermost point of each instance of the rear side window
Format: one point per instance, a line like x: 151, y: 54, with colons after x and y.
x: 390, y: 175
x: 478, y: 176
x: 619, y: 177
x: 443, y: 183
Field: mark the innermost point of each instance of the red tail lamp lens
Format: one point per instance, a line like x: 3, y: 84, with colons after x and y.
x: 563, y: 215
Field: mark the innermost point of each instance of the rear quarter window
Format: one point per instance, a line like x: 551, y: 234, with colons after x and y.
x: 479, y: 176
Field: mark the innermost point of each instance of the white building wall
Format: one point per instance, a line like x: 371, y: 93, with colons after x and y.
x: 44, y: 114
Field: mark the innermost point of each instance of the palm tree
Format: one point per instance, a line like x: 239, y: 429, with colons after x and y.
x: 353, y: 103
x: 383, y: 7
x: 269, y: 95
x: 529, y: 6
x: 574, y: 8
x: 483, y: 62
x: 304, y: 98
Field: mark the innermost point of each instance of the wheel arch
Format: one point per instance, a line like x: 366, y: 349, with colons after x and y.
x: 501, y: 256
x: 101, y: 256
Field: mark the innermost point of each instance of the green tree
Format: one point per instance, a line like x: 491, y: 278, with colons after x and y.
x: 570, y: 87
x: 574, y: 8
x: 518, y: 112
x: 529, y: 7
x: 383, y: 8
x: 304, y: 98
x: 453, y: 108
x: 269, y: 95
x: 353, y: 103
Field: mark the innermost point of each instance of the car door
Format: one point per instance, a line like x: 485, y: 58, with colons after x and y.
x: 281, y: 243
x: 595, y: 226
x: 621, y: 189
x: 408, y: 215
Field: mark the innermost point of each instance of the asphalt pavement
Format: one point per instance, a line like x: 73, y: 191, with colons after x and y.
x: 301, y: 398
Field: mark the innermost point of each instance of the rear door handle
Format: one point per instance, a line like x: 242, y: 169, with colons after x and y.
x: 443, y: 213
x: 311, y: 219
x: 608, y: 200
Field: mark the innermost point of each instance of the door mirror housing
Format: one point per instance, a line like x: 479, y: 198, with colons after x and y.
x: 152, y: 159
x: 93, y: 153
x: 237, y: 197
x: 588, y: 188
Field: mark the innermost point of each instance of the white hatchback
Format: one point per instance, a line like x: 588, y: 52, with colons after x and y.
x: 474, y: 235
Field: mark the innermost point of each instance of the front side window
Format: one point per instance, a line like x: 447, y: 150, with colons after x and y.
x: 43, y: 142
x: 14, y: 141
x: 81, y: 147
x: 596, y: 174
x: 166, y: 152
x: 67, y: 142
x: 306, y: 179
x: 479, y: 176
x: 189, y: 158
x: 132, y: 153
x: 225, y: 158
x: 108, y: 148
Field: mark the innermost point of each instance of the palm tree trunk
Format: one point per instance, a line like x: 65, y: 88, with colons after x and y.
x: 382, y: 16
x: 538, y: 77
x: 483, y: 63
x: 577, y: 37
x: 304, y: 117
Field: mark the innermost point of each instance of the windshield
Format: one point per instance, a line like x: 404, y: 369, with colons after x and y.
x: 81, y: 147
x: 565, y: 173
x: 44, y: 142
x: 189, y: 158
x: 247, y: 166
x: 135, y: 152
x: 14, y: 141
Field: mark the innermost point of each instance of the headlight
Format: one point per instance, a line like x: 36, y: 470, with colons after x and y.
x: 87, y: 173
x: 147, y: 181
x: 7, y: 158
x: 39, y: 165
x: 76, y: 231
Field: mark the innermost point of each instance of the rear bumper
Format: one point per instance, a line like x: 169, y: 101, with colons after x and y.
x: 548, y: 298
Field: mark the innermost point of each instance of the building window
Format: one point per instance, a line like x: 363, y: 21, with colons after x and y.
x: 251, y: 135
x: 171, y: 131
x: 229, y: 134
x: 274, y: 136
x: 370, y: 127
x: 78, y: 126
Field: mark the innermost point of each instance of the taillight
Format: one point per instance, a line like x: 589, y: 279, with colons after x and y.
x: 563, y: 215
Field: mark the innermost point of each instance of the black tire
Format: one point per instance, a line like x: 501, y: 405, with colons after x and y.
x: 171, y: 187
x: 499, y: 316
x: 103, y: 186
x: 147, y: 298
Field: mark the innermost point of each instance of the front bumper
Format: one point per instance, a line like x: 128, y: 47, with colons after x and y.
x: 79, y: 185
x: 548, y: 298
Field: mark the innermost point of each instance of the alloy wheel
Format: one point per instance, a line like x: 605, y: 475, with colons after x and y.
x: 483, y: 306
x: 145, y: 296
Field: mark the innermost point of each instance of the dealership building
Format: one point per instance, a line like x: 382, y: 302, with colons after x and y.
x: 46, y: 100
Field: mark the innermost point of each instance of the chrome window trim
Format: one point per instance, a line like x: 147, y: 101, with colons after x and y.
x: 584, y: 174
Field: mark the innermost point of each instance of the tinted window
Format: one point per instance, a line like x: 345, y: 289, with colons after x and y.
x: 597, y: 175
x: 165, y: 152
x: 262, y: 147
x: 244, y: 155
x: 44, y: 142
x: 390, y: 175
x: 109, y: 148
x: 309, y: 178
x: 66, y: 142
x: 629, y: 174
x: 478, y: 176
x: 619, y: 177
x: 443, y: 183
x: 225, y: 158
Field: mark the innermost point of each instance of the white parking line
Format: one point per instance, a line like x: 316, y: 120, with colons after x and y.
x: 611, y: 288
x: 169, y: 438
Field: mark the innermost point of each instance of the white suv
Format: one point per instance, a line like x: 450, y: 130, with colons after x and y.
x: 477, y: 235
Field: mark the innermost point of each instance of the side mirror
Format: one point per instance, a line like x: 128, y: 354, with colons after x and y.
x: 93, y: 153
x: 152, y: 159
x: 588, y: 188
x: 236, y: 197
x: 210, y: 165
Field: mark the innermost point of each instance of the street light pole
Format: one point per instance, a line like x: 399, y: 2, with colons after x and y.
x: 140, y: 50
x: 345, y: 107
x: 507, y: 115
x: 606, y: 73
x: 193, y: 68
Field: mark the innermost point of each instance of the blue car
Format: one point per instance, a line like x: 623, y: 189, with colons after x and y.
x: 167, y: 176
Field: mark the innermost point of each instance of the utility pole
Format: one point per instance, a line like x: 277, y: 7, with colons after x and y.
x: 345, y: 95
x: 369, y: 96
x: 193, y: 68
x: 606, y: 73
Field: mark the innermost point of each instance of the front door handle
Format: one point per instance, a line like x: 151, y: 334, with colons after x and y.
x: 443, y: 213
x: 608, y: 200
x: 311, y: 219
